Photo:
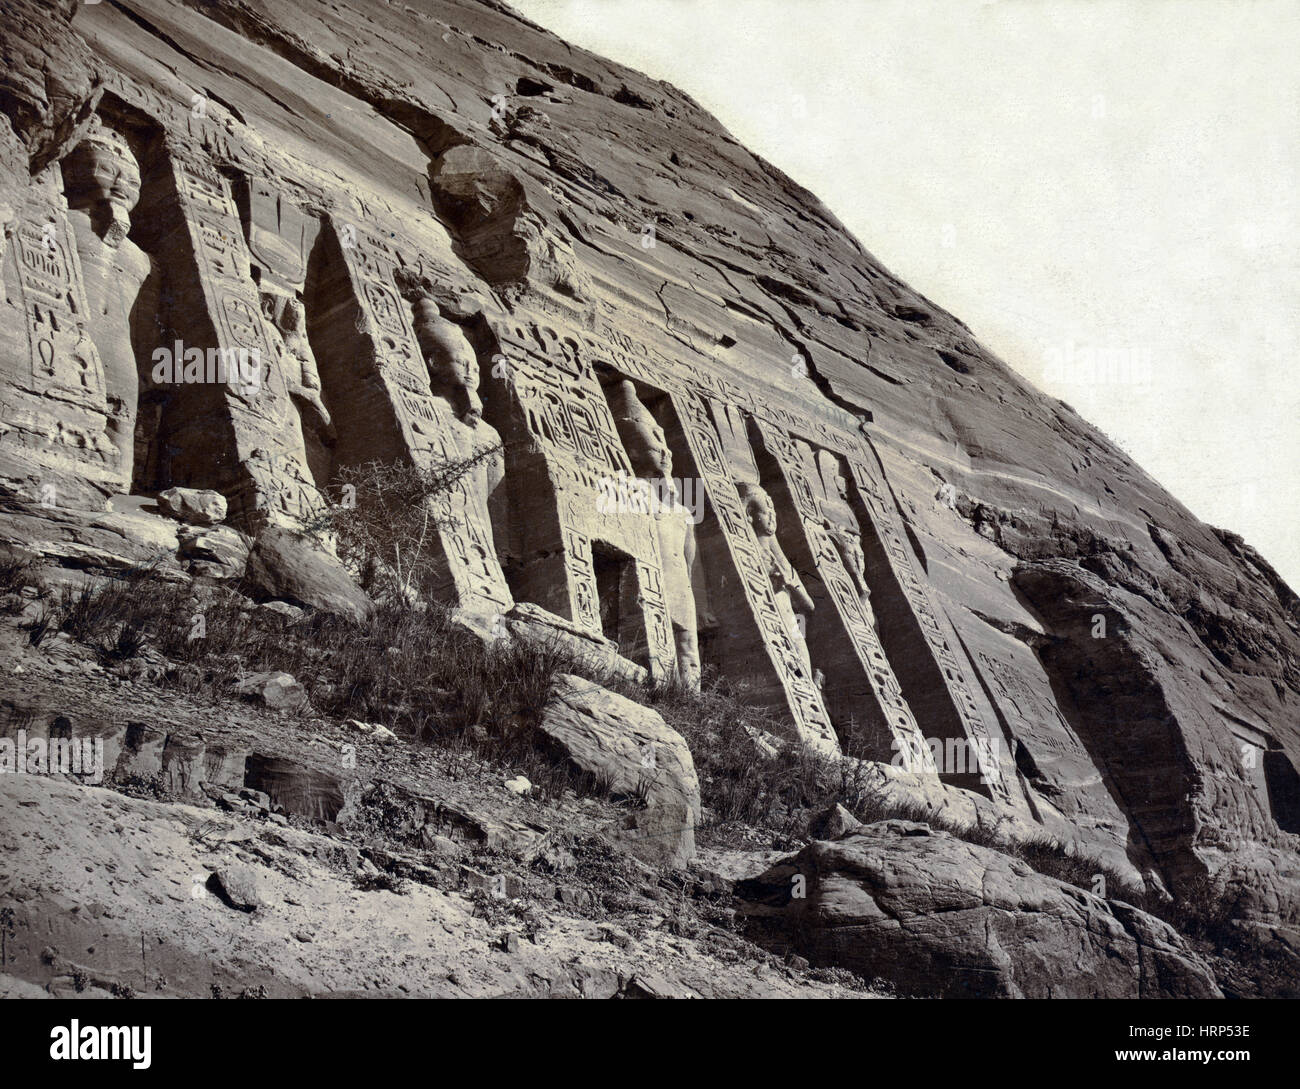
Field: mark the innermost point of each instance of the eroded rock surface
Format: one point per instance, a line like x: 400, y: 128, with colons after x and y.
x: 250, y: 248
x: 944, y: 918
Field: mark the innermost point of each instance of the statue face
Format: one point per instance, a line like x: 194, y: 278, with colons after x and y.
x: 643, y: 438
x: 762, y: 514
x: 651, y: 456
x: 102, y: 170
x: 467, y: 405
x: 293, y: 318
x: 841, y: 483
x: 658, y: 452
x: 453, y: 366
x: 459, y: 363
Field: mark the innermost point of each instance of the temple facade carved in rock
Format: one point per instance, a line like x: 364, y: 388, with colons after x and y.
x: 300, y: 333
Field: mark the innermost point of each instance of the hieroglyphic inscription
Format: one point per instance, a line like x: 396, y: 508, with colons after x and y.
x: 848, y: 604
x: 582, y: 579
x: 563, y: 406
x: 868, y: 474
x: 46, y: 276
x: 654, y: 608
x: 802, y: 696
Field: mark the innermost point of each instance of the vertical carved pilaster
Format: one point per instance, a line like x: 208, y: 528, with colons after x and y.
x: 935, y: 627
x: 49, y: 288
x: 395, y: 396
x: 812, y: 722
x: 55, y: 410
x: 273, y: 480
x: 892, y: 710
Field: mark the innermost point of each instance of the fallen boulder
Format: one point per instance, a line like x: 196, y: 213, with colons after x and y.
x: 633, y: 752
x: 236, y: 887
x: 196, y: 506
x: 279, y: 691
x: 940, y: 917
x: 287, y: 567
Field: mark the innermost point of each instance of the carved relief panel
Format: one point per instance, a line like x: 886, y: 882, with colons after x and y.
x: 936, y: 629
x: 819, y: 514
x: 428, y: 429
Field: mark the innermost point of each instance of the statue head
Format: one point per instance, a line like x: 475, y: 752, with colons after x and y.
x: 759, y: 509
x: 841, y: 482
x: 101, y: 176
x: 643, y: 438
x: 453, y: 366
x: 834, y: 481
x: 288, y: 315
x: 287, y: 312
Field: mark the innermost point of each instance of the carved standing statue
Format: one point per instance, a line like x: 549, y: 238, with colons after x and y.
x: 454, y: 376
x: 841, y: 523
x: 651, y: 459
x: 289, y: 317
x: 102, y: 182
x: 792, y: 600
x: 453, y: 366
x: 279, y: 237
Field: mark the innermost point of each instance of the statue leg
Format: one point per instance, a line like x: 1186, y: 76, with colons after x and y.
x: 123, y: 398
x: 688, y: 657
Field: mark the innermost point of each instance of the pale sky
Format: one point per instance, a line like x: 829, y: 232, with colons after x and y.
x: 1080, y: 181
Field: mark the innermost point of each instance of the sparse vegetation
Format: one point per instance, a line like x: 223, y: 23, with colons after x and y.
x: 42, y: 624
x: 126, y: 642
x: 384, y: 518
x: 415, y: 670
x: 15, y: 574
x: 435, y: 682
x: 7, y: 933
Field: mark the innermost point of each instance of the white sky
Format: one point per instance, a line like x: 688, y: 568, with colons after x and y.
x: 1066, y: 176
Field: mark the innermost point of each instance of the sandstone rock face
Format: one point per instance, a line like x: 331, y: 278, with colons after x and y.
x: 942, y: 917
x: 252, y: 248
x: 634, y: 754
x: 48, y: 92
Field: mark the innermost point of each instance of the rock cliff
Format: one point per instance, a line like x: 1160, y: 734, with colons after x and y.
x: 251, y: 245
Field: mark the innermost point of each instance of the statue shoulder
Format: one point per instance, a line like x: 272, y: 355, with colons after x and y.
x: 134, y: 261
